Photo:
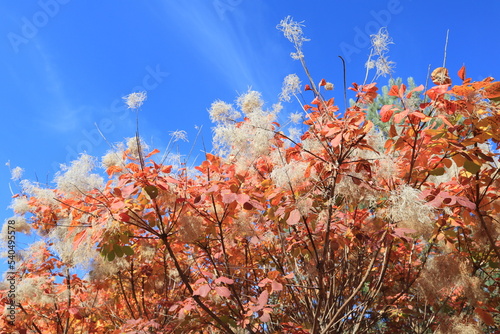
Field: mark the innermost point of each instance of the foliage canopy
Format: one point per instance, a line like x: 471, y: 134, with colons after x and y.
x: 347, y: 227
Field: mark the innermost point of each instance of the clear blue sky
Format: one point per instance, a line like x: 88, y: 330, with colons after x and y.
x: 66, y: 64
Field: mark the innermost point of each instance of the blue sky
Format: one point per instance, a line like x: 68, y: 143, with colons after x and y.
x: 66, y: 64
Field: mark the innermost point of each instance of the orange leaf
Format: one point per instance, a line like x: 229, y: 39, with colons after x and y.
x: 436, y: 91
x: 461, y: 73
x: 419, y: 115
x: 79, y: 238
x: 386, y: 113
x: 316, y: 101
x: 153, y: 152
x: 113, y: 169
x: 399, y: 117
x: 416, y: 89
x: 392, y: 131
x: 463, y: 90
x: 273, y: 274
x: 394, y: 91
x: 402, y: 90
x: 492, y: 91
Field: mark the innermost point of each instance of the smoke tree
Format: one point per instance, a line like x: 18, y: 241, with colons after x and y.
x: 343, y: 227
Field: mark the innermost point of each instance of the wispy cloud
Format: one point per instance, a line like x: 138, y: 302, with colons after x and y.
x: 233, y: 49
x: 60, y: 115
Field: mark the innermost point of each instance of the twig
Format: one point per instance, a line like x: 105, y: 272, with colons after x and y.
x: 445, y: 47
x: 345, y: 84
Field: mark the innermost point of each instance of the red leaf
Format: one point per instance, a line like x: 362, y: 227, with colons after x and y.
x: 124, y: 217
x: 307, y: 87
x: 485, y: 316
x: 247, y: 206
x: 402, y: 90
x: 322, y: 82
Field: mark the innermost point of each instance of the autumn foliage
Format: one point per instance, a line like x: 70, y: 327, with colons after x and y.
x: 344, y: 230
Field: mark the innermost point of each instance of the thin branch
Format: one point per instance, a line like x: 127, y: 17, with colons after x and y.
x: 345, y: 82
x: 445, y: 47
